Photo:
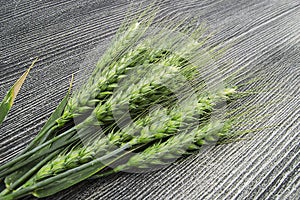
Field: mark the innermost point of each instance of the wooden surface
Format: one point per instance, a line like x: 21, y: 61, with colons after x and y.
x: 67, y: 37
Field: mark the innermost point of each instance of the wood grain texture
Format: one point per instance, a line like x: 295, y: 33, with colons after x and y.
x: 68, y: 37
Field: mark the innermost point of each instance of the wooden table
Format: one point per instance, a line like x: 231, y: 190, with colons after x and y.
x: 68, y: 36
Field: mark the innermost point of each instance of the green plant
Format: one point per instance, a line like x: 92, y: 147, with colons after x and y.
x: 141, y: 69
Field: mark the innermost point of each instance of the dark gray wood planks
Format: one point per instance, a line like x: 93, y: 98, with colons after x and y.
x: 264, y: 34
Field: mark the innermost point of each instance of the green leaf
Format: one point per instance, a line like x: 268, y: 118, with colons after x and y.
x: 11, y: 95
x: 42, y: 136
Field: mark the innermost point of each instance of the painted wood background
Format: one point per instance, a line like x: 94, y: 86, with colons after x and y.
x: 69, y: 35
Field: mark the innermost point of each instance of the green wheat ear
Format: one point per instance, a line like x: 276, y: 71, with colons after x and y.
x: 11, y: 95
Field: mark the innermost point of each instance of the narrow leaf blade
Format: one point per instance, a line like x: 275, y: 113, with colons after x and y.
x: 11, y: 95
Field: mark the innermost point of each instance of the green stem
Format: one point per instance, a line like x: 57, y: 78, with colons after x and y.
x: 95, y: 165
x: 30, y: 153
x: 39, y: 137
x: 32, y: 171
x: 5, y: 192
x: 46, y: 135
x: 33, y: 158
